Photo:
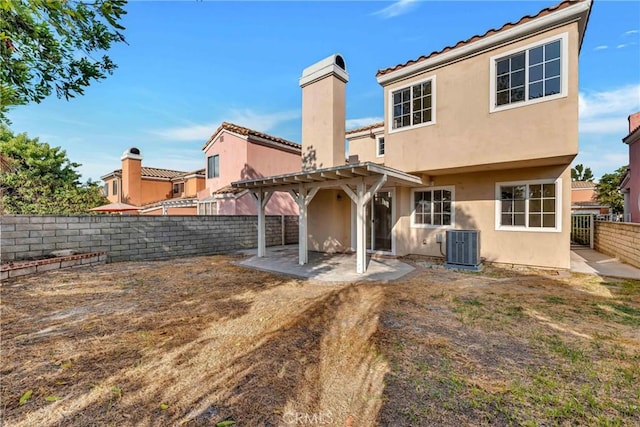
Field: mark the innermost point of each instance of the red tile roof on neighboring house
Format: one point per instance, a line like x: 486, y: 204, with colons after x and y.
x: 241, y: 130
x: 147, y: 172
x: 364, y: 128
x: 196, y: 172
x: 632, y: 134
x: 579, y: 185
x: 475, y: 38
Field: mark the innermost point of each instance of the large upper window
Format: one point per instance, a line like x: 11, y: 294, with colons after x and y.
x: 528, y: 205
x: 532, y: 74
x: 413, y: 105
x: 115, y: 187
x: 213, y: 166
x: 433, y: 207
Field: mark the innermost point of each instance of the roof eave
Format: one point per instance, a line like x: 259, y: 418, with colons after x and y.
x: 578, y: 11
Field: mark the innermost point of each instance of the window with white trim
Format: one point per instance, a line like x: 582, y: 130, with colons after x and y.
x: 178, y: 188
x: 413, y: 105
x: 114, y: 188
x: 531, y: 74
x: 531, y: 205
x: 380, y: 146
x: 432, y: 207
x: 213, y: 166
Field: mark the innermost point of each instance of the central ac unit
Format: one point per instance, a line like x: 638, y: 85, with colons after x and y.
x: 463, y: 249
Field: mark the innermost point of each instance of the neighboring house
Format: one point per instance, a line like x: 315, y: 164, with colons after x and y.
x: 236, y: 153
x: 155, y: 191
x: 630, y: 186
x: 583, y: 199
x: 479, y: 135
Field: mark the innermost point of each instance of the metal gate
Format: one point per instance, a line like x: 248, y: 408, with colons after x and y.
x: 582, y: 230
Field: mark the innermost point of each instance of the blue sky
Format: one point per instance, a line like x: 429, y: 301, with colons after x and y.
x: 190, y: 65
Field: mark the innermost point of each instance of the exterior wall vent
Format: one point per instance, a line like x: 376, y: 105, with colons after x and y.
x: 463, y: 249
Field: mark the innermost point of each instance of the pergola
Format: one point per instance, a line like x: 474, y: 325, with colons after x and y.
x: 360, y: 181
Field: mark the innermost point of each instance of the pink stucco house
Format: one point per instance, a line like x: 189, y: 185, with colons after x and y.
x: 235, y: 153
x: 631, y: 183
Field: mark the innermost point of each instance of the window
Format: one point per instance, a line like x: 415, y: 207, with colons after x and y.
x: 114, y: 187
x: 106, y: 189
x: 213, y: 166
x: 380, y: 146
x: 178, y: 188
x: 208, y: 208
x: 531, y: 205
x: 532, y: 74
x: 413, y: 105
x: 433, y: 207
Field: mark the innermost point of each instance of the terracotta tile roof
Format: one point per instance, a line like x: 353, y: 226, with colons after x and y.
x: 631, y: 135
x: 364, y: 128
x: 249, y: 132
x: 475, y: 38
x: 579, y: 185
x: 196, y: 172
x: 159, y: 173
x: 228, y: 190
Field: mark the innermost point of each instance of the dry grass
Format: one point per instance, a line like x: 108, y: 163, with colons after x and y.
x: 201, y: 341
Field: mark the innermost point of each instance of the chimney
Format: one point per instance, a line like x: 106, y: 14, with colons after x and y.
x: 634, y: 121
x: 324, y: 113
x: 131, y: 191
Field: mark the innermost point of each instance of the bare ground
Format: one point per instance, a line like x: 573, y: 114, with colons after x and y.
x: 201, y: 341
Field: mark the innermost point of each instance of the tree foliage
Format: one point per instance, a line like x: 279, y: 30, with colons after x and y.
x: 608, y: 190
x: 39, y: 179
x: 579, y: 173
x: 55, y: 44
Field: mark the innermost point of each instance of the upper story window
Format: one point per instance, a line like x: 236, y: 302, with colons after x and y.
x: 213, y: 166
x: 178, y: 188
x: 114, y: 187
x: 413, y: 105
x: 433, y: 207
x: 380, y: 146
x: 532, y: 206
x: 535, y: 73
x: 106, y: 189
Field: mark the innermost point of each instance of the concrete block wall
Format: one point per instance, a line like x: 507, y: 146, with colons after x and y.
x: 619, y: 239
x: 135, y: 238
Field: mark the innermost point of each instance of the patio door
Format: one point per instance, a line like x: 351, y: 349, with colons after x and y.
x: 380, y: 214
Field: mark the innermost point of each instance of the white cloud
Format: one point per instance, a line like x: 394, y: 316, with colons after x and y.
x: 630, y: 32
x: 361, y: 122
x: 396, y: 9
x: 606, y: 112
x: 601, y: 47
x: 263, y: 122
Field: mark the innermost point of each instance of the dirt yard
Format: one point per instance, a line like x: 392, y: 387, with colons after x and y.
x: 201, y: 341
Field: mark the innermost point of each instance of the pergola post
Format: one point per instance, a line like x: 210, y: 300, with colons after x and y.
x: 303, y: 198
x: 261, y: 198
x: 361, y: 229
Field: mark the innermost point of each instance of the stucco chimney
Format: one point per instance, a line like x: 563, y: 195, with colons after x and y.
x: 324, y: 113
x: 634, y: 121
x: 131, y: 176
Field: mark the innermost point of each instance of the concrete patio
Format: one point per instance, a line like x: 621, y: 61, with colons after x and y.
x: 325, y: 267
x: 588, y: 261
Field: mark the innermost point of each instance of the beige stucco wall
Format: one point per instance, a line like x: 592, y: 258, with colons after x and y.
x: 366, y: 148
x: 192, y: 186
x: 467, y: 134
x: 329, y: 221
x: 323, y: 123
x: 475, y: 206
x: 113, y: 198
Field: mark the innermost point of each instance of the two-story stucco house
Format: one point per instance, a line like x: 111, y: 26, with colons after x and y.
x: 476, y: 136
x: 156, y: 191
x: 630, y: 185
x: 235, y: 153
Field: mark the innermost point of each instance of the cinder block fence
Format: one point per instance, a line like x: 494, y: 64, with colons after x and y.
x: 137, y: 238
x: 619, y: 239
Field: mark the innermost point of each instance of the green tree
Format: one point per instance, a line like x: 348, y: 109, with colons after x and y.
x: 579, y: 173
x: 40, y: 179
x: 608, y: 190
x: 54, y: 44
